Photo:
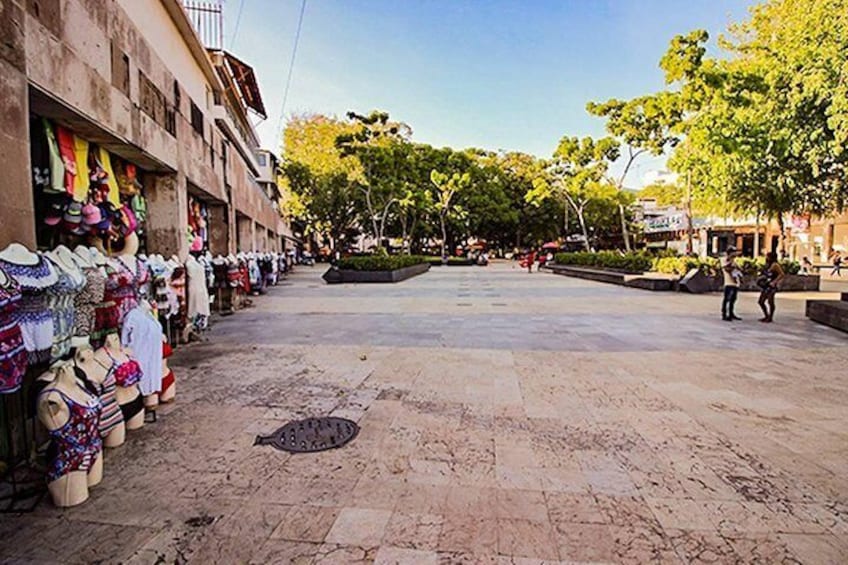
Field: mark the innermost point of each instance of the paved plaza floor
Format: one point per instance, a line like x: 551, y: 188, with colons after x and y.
x: 506, y: 418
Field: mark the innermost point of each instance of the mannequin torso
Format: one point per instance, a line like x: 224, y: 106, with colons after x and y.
x: 70, y: 414
x: 111, y: 425
x: 126, y: 393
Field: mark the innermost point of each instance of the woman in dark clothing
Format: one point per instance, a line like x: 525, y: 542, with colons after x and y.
x: 771, y: 277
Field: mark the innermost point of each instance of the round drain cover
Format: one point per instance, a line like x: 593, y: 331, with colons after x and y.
x: 311, y: 434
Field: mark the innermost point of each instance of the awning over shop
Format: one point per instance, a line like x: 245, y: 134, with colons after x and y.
x: 245, y: 79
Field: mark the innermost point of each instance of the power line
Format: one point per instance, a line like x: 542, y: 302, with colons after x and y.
x: 236, y: 27
x: 291, y: 69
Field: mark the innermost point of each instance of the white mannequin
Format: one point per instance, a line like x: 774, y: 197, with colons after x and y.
x: 72, y: 488
x: 96, y: 373
x: 64, y: 259
x: 19, y: 255
x: 97, y: 256
x: 124, y: 395
x: 82, y: 256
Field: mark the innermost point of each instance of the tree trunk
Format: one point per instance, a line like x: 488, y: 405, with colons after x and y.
x: 782, y: 237
x: 583, y: 228
x: 444, y: 236
x: 624, y: 233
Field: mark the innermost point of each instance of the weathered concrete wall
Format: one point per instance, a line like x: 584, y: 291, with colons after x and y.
x: 93, y: 58
x: 16, y: 203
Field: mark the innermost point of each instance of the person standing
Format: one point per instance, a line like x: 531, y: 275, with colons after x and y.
x: 836, y: 259
x: 730, y: 271
x: 769, y: 281
x: 806, y: 266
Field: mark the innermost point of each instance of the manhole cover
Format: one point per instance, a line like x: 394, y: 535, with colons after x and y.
x: 311, y: 434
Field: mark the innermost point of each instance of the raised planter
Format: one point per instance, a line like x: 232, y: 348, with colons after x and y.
x: 645, y: 282
x: 790, y: 283
x: 338, y: 276
x: 833, y: 313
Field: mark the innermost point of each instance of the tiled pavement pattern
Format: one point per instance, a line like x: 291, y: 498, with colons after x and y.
x: 506, y: 418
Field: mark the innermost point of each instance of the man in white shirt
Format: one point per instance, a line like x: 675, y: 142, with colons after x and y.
x: 731, y: 275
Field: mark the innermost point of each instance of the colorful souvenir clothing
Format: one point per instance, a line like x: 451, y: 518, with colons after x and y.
x: 122, y: 285
x: 13, y: 354
x: 34, y: 317
x: 87, y: 301
x: 127, y: 373
x: 59, y: 299
x: 143, y: 334
x: 107, y: 317
x: 77, y: 443
x: 110, y: 414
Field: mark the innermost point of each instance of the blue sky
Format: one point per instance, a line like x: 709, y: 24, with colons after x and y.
x: 496, y: 74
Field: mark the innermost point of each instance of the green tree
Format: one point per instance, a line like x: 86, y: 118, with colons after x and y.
x: 321, y: 182
x: 447, y: 186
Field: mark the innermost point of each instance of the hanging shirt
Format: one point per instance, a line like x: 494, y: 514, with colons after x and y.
x: 105, y: 161
x: 82, y: 179
x: 143, y: 334
x: 57, y: 167
x: 65, y: 139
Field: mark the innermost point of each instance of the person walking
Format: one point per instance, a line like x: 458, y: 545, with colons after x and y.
x: 730, y: 273
x: 836, y: 259
x: 769, y: 281
x: 531, y: 258
x: 806, y: 266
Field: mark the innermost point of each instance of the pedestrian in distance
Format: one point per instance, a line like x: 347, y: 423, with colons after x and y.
x: 731, y: 275
x: 806, y: 266
x: 836, y: 260
x: 531, y: 258
x: 769, y: 282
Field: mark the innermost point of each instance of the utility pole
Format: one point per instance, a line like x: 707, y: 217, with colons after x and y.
x: 690, y: 227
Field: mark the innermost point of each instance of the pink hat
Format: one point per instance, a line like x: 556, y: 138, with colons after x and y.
x: 91, y: 215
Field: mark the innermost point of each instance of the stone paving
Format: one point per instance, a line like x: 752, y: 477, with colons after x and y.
x: 506, y: 418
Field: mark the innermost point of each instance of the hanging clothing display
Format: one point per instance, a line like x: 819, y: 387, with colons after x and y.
x: 59, y: 300
x: 13, y: 354
x: 83, y: 173
x: 65, y: 140
x: 143, y: 334
x: 122, y: 284
x: 34, y: 317
x: 56, y: 165
x: 87, y: 301
x: 198, y: 294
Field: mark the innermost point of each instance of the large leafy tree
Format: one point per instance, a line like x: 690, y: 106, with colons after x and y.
x: 382, y: 148
x: 765, y: 126
x: 321, y: 182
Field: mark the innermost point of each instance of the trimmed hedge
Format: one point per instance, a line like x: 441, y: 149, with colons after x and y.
x: 379, y: 262
x: 634, y: 262
x: 712, y: 266
x: 640, y: 262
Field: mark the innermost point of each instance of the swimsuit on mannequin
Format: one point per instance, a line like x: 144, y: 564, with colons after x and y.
x: 127, y: 374
x: 111, y: 425
x: 13, y: 355
x: 35, y: 275
x: 60, y: 299
x: 70, y: 414
x: 168, y: 389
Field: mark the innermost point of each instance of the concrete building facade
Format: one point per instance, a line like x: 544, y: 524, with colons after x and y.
x: 133, y: 77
